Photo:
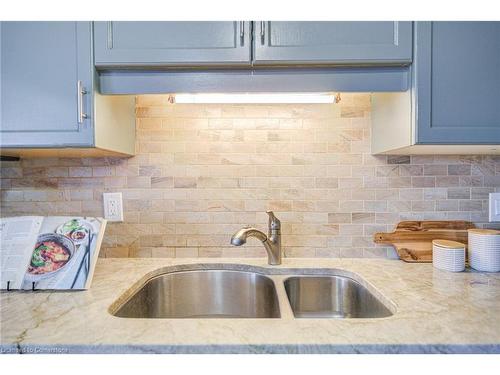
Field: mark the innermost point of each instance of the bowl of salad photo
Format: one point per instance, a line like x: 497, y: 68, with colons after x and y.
x: 52, y: 252
x: 78, y: 230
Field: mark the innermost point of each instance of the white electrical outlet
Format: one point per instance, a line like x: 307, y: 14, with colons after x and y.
x: 113, y: 206
x: 494, y: 207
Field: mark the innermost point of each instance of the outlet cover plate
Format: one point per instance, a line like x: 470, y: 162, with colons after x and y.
x: 494, y: 207
x: 113, y: 206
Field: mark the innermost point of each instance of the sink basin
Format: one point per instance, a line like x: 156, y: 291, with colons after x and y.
x: 204, y: 294
x: 332, y: 297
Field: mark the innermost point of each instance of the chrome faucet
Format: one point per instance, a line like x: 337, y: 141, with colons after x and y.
x: 272, y: 242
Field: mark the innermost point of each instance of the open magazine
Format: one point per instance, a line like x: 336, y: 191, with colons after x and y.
x: 55, y: 252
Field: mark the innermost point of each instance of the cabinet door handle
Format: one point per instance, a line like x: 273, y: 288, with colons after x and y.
x: 262, y: 32
x: 242, y: 32
x: 81, y: 91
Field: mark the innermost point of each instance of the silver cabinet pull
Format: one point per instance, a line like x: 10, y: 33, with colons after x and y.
x: 262, y: 31
x: 242, y: 32
x: 110, y: 34
x: 81, y: 91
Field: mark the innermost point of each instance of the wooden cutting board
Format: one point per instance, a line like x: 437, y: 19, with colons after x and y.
x: 413, y: 239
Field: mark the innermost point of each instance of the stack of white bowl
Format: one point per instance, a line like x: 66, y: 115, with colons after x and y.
x: 448, y: 255
x: 484, y: 249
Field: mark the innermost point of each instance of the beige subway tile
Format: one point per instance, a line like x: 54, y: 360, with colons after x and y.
x: 139, y: 182
x: 186, y: 252
x: 279, y: 205
x: 387, y: 217
x: 351, y: 112
x: 327, y: 182
x: 411, y: 170
x: 147, y: 217
x: 142, y: 252
x: 327, y: 252
x: 387, y: 194
x: 350, y: 159
x: 481, y: 192
x: 399, y: 206
x: 447, y: 205
x: 186, y: 217
x: 339, y: 171
x: 352, y: 182
x: 210, y: 252
x: 471, y: 205
x: 255, y: 205
x: 363, y: 194
x: 35, y: 195
x: 351, y: 252
x: 57, y: 172
x: 350, y: 205
x: 375, y: 252
x: 115, y: 182
x: 302, y: 205
x: 459, y: 169
x: 375, y: 206
x: 398, y: 159
x: 26, y: 172
x: 162, y: 182
x: 220, y: 205
x: 336, y: 217
x: 281, y: 170
x: 459, y: 193
x: 423, y: 205
x: 163, y: 252
x: 447, y: 181
x: 299, y: 252
x: 471, y: 181
x: 80, y: 172
x: 150, y: 170
x: 187, y: 205
x: 149, y: 123
x: 12, y: 195
x: 340, y: 146
x: 422, y: 182
x: 117, y: 252
x: 387, y: 170
x: 435, y: 170
x: 435, y: 193
x: 370, y: 229
x: 104, y: 171
x: 362, y: 217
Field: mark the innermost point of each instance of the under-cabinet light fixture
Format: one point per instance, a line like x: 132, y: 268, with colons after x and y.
x: 256, y: 98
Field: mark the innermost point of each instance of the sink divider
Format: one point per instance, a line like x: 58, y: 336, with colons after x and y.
x: 284, y: 305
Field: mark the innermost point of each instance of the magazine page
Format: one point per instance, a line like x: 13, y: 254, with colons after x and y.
x: 17, y: 236
x: 65, y: 253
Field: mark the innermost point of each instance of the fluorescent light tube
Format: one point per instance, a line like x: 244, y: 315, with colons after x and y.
x: 251, y: 98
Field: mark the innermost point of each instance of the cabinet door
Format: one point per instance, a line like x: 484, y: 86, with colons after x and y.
x: 41, y: 64
x: 172, y: 43
x: 333, y: 42
x: 457, y: 81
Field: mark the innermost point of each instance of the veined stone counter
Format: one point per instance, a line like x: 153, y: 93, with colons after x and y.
x: 435, y: 312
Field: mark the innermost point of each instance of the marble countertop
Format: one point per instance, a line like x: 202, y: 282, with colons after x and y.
x: 435, y: 312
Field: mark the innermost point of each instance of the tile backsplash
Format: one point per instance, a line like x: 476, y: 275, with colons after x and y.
x: 203, y: 171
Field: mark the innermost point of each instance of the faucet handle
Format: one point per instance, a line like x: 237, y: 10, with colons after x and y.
x: 274, y: 222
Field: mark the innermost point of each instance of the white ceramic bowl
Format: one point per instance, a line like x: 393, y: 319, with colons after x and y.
x: 448, y: 255
x: 484, y: 249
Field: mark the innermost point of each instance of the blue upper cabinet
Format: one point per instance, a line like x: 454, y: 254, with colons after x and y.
x: 348, y: 43
x: 457, y: 82
x: 172, y: 43
x: 44, y: 69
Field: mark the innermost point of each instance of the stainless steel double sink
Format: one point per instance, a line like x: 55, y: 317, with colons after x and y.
x: 236, y: 293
